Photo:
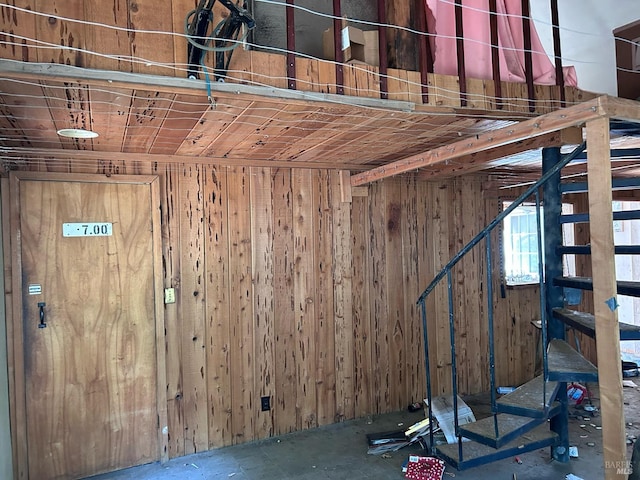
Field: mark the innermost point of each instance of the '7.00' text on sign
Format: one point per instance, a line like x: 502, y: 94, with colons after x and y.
x: 88, y: 229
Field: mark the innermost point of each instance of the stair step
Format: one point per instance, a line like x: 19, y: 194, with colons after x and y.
x: 475, y: 454
x: 616, y: 183
x: 631, y: 289
x: 584, y: 217
x: 567, y: 365
x: 586, y: 250
x: 526, y: 400
x: 586, y: 323
x: 510, y: 427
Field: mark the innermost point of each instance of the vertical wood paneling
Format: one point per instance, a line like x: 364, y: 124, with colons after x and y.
x: 11, y: 23
x: 304, y: 299
x: 473, y: 319
x: 241, y: 308
x: 55, y: 31
x: 456, y: 241
x: 345, y: 333
x: 171, y: 247
x: 324, y: 304
x: 263, y: 295
x: 192, y: 309
x: 442, y: 202
x: 283, y: 254
x: 396, y: 323
x: 152, y: 50
x: 381, y: 395
x: 179, y: 11
x: 287, y: 292
x: 413, y: 339
x: 218, y: 346
x: 362, y: 334
x: 111, y: 44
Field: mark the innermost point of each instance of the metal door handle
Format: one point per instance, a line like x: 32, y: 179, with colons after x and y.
x: 42, y: 323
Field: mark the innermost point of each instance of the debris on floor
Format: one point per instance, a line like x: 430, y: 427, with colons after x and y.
x: 571, y: 476
x: 442, y: 409
x: 629, y: 369
x: 385, y: 442
x: 417, y: 430
x: 423, y: 468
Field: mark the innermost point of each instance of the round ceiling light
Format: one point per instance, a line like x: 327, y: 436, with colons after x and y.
x: 76, y: 133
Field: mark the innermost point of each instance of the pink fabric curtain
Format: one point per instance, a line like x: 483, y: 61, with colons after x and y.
x: 477, y: 42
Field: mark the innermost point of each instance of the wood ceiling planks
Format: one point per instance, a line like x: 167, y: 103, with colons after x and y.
x: 29, y: 112
x: 69, y: 107
x: 184, y: 113
x: 148, y: 111
x: 213, y: 123
x: 109, y: 115
x: 173, y: 118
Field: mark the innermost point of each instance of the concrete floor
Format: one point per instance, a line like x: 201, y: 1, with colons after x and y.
x: 340, y: 452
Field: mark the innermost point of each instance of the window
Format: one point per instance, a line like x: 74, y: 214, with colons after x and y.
x: 520, y: 244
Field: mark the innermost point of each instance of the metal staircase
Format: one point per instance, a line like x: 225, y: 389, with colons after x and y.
x: 535, y: 415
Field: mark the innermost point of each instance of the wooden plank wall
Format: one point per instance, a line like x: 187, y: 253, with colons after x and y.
x: 285, y: 291
x: 148, y: 39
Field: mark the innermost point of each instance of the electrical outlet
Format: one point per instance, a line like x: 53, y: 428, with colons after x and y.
x: 265, y: 403
x: 169, y: 295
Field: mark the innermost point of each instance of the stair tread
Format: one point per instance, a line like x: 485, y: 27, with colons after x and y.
x: 540, y: 435
x: 529, y: 395
x: 586, y: 249
x: 624, y: 287
x: 586, y: 323
x: 562, y: 359
x: 507, y: 424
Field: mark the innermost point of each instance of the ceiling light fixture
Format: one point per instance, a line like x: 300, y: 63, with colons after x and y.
x: 76, y: 133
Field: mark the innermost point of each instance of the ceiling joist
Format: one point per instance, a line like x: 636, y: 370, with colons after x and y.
x: 545, y: 124
x: 477, y: 161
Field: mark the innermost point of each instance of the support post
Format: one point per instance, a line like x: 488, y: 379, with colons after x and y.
x: 291, y: 46
x: 495, y: 57
x: 604, y: 298
x: 557, y: 51
x: 337, y: 42
x: 528, y: 54
x: 552, y: 198
x: 462, y: 70
x: 426, y: 58
x: 382, y: 49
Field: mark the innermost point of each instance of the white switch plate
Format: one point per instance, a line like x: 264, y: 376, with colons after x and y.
x: 169, y: 295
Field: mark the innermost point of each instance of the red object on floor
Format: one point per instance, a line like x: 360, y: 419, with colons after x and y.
x: 424, y: 468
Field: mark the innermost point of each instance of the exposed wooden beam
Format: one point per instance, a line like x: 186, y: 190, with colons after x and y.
x: 621, y: 108
x: 477, y: 161
x: 604, y: 297
x: 535, y: 127
x: 16, y: 155
x: 57, y: 72
x: 345, y: 187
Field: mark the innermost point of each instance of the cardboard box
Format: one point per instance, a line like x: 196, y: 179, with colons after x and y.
x: 353, y: 44
x: 371, y: 48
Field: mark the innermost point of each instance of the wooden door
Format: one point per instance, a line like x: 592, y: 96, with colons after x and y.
x: 86, y: 253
